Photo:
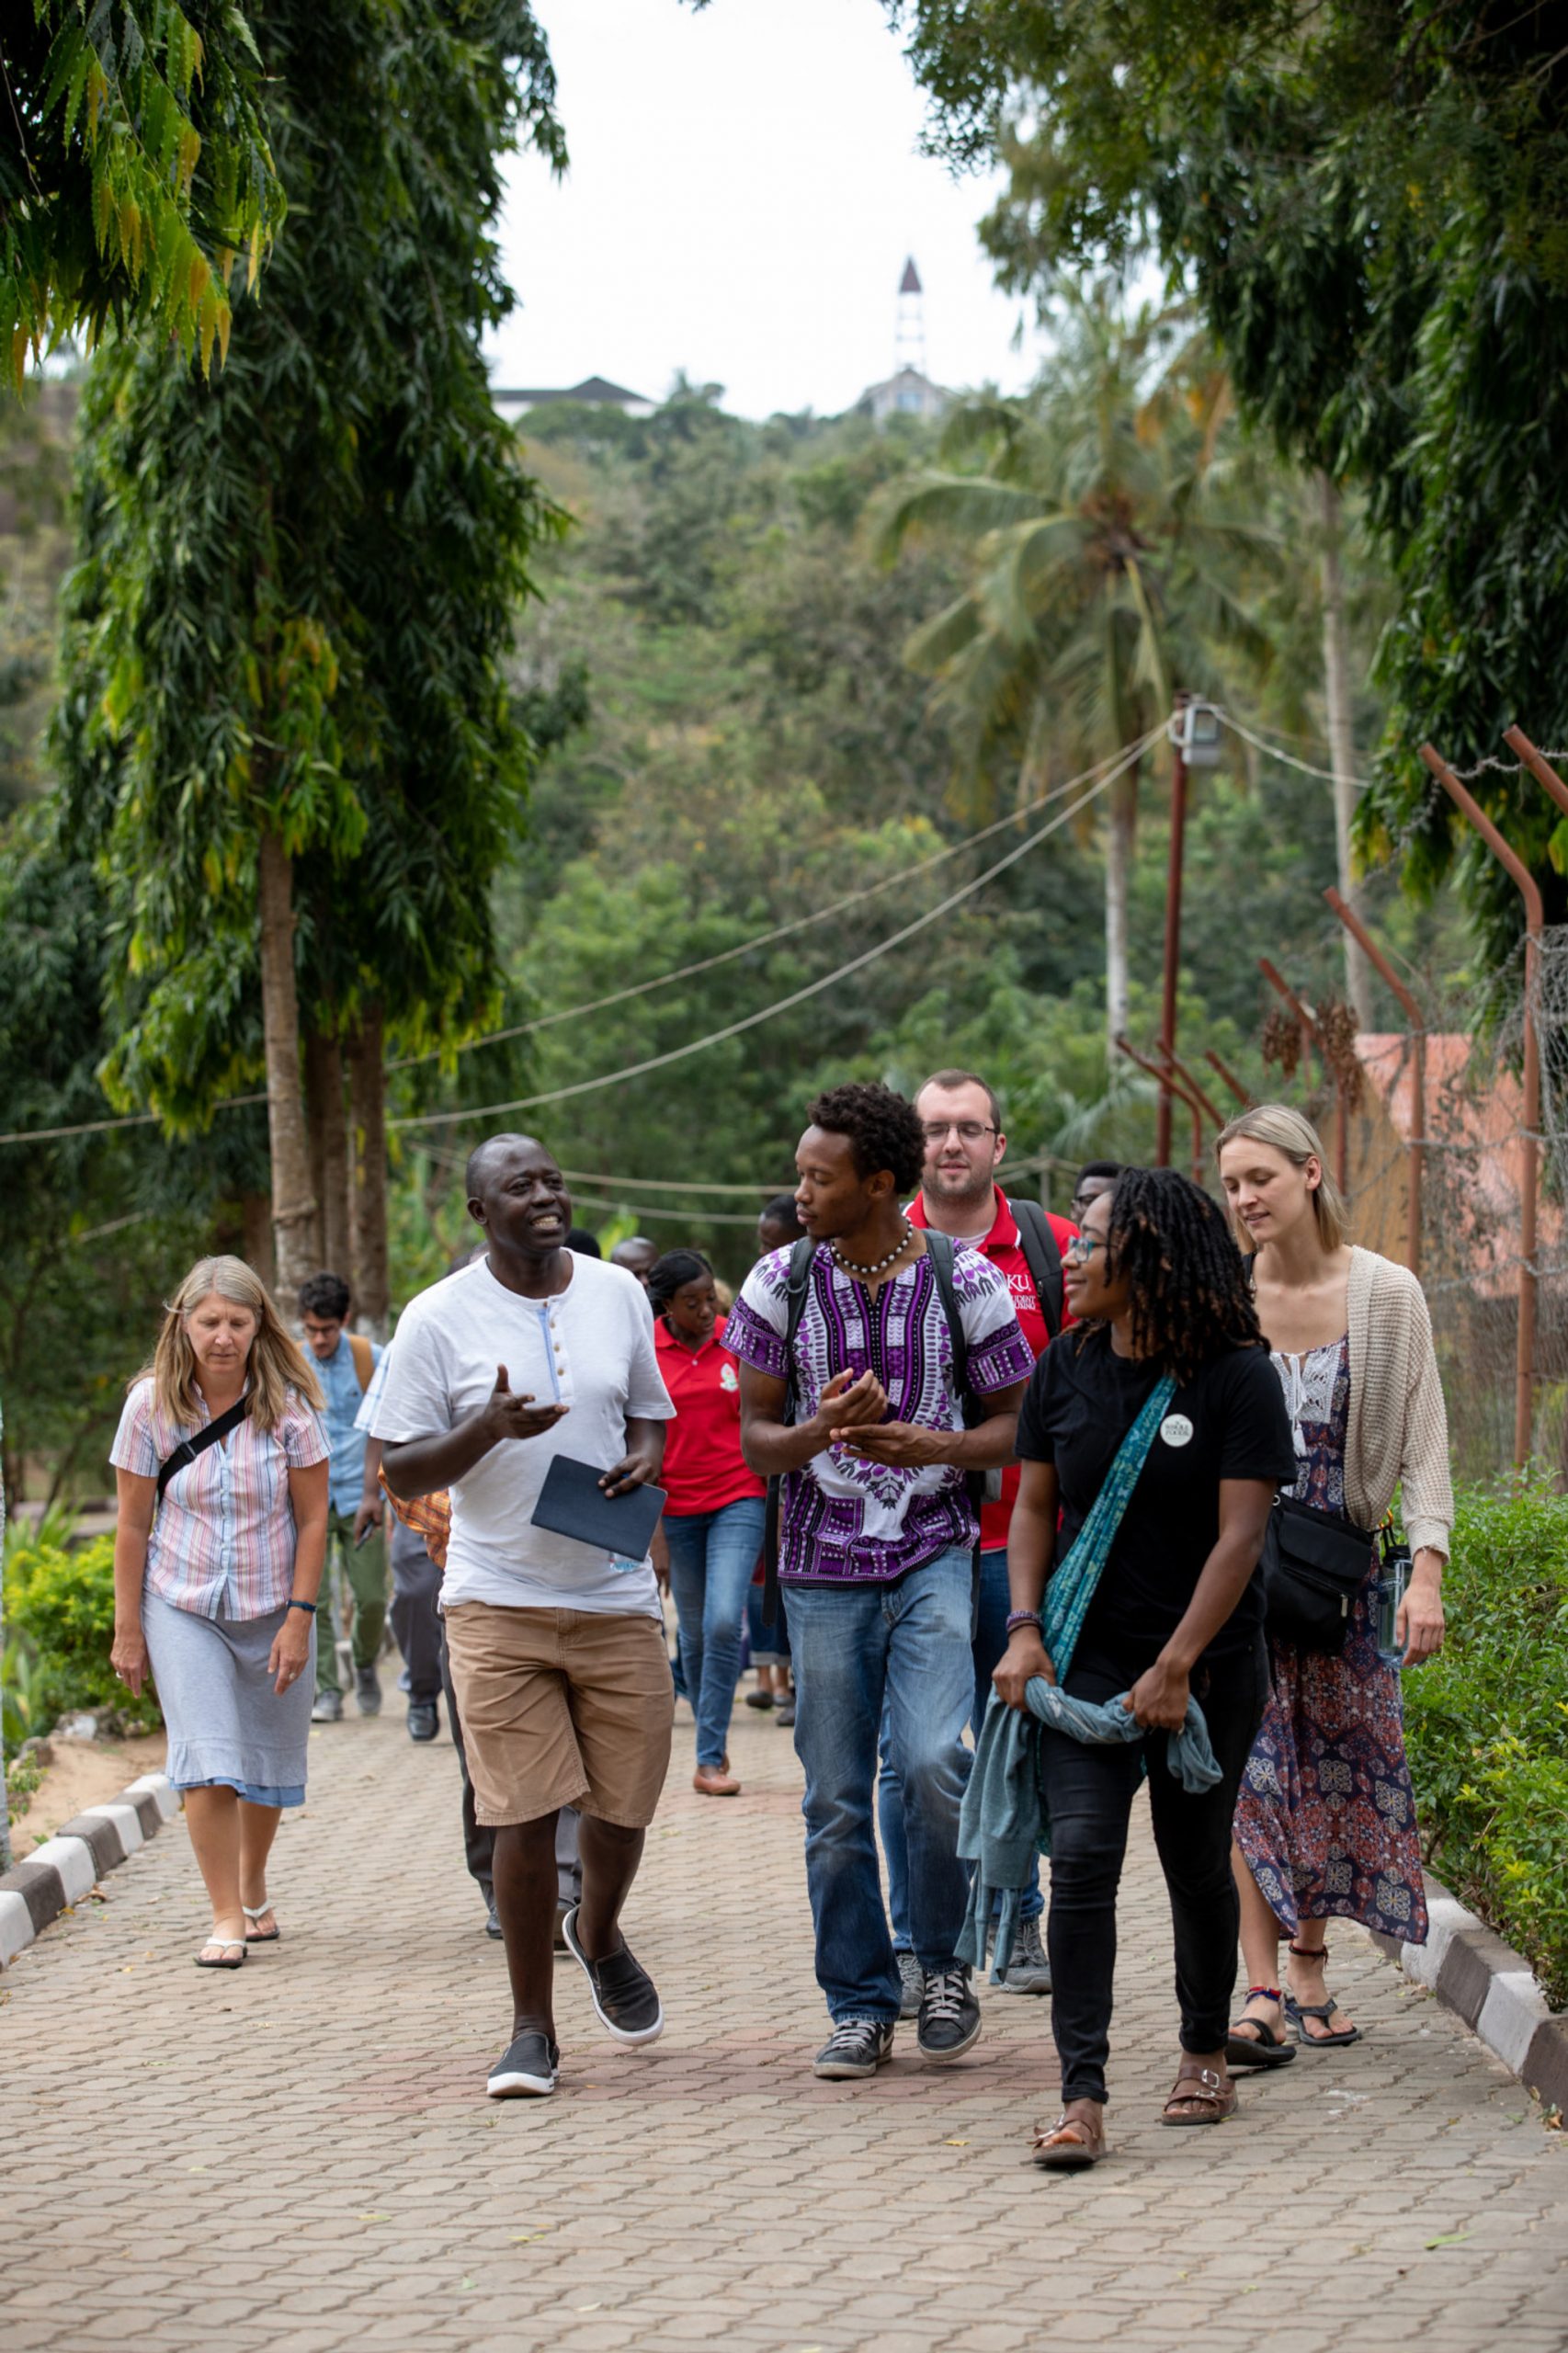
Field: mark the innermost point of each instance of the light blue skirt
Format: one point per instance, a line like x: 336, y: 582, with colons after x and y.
x: 228, y: 1728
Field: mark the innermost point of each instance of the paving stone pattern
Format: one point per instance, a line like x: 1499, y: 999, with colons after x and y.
x: 300, y: 2156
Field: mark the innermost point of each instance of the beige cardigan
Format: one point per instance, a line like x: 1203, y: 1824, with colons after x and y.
x: 1398, y: 1431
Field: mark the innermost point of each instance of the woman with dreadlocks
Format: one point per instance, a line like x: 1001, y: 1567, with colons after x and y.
x: 1166, y: 1399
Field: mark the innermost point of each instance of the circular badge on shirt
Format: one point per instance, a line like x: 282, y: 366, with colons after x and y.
x: 1176, y: 1429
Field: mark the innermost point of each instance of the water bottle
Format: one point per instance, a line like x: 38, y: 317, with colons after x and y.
x: 1393, y: 1576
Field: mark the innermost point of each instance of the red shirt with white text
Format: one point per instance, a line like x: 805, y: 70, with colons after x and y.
x: 703, y: 1468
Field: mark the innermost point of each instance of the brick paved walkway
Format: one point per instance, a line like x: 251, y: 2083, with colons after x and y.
x: 300, y: 2157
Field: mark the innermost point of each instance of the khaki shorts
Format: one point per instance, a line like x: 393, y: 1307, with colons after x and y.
x: 561, y: 1707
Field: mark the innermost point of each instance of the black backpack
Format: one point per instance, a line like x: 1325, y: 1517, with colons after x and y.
x: 1043, y: 1259
x: 940, y: 1250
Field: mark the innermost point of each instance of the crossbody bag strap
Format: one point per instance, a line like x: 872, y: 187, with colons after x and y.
x: 188, y: 1449
x: 1071, y: 1586
x: 801, y: 1258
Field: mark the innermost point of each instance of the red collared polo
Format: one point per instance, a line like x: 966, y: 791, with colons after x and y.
x: 703, y: 1468
x: 1001, y: 1246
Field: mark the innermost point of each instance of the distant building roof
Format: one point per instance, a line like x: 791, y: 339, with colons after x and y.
x: 908, y: 393
x: 593, y: 389
x: 910, y: 282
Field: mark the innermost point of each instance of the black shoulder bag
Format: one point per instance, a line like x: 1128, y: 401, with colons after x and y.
x: 188, y: 1449
x: 1315, y: 1563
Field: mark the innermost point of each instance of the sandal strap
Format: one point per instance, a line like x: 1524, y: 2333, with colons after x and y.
x: 1309, y: 1952
x: 1264, y: 1994
x: 257, y: 1911
x: 1202, y: 2086
x: 1056, y: 2137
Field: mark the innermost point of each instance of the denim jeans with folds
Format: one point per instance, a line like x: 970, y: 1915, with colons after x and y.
x: 1091, y: 1793
x: 992, y: 1603
x: 713, y: 1554
x: 854, y: 1648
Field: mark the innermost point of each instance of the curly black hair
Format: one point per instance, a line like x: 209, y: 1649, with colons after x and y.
x: 671, y: 1273
x: 882, y: 1128
x: 1192, y: 1298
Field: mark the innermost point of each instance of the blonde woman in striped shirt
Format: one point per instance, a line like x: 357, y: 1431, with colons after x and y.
x: 215, y: 1581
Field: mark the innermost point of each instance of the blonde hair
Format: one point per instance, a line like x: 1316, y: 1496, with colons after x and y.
x: 275, y: 1364
x: 1293, y: 1133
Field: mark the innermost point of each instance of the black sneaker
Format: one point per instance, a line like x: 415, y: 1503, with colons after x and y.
x: 367, y: 1691
x: 626, y: 2001
x: 423, y: 1723
x: 493, y: 1920
x: 949, y: 2015
x: 859, y: 2046
x: 526, y: 2070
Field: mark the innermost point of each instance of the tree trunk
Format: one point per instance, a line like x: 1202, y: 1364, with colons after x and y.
x: 368, y: 1114
x: 294, y: 1230
x: 1120, y: 840
x: 256, y: 1220
x: 4, y: 1796
x: 1341, y: 736
x: 329, y: 1147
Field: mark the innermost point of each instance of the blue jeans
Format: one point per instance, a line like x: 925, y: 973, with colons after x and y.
x: 906, y: 1645
x: 769, y: 1645
x: 713, y: 1554
x: 990, y: 1641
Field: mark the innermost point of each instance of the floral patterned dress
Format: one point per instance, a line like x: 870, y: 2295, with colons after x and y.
x: 1327, y: 1816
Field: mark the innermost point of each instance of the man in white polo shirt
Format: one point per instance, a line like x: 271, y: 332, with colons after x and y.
x: 557, y: 1648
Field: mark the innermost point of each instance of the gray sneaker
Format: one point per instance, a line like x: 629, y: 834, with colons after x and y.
x: 911, y: 1978
x: 328, y: 1709
x: 857, y: 2048
x: 1028, y: 1971
x: 367, y: 1691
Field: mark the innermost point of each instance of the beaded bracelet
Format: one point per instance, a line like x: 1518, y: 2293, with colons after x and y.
x: 1023, y: 1617
x: 304, y: 1605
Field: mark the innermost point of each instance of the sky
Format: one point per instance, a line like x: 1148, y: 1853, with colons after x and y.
x: 745, y: 185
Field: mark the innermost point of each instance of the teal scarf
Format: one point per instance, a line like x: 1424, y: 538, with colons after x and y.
x: 1003, y: 1822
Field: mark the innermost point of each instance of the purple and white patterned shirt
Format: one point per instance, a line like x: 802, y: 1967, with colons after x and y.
x: 847, y: 1521
x: 222, y: 1539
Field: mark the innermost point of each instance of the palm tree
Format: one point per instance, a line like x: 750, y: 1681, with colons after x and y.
x: 1110, y: 554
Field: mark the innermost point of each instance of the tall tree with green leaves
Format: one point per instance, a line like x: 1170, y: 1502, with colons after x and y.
x: 1110, y: 560
x: 1371, y: 203
x: 285, y: 730
x: 135, y: 168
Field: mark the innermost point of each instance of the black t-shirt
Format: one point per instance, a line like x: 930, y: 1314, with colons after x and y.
x: 1228, y: 1422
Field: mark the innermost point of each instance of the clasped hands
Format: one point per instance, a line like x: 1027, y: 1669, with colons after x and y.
x: 849, y: 1414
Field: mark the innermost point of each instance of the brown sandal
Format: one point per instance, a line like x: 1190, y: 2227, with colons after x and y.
x: 1211, y: 2094
x: 1055, y: 2151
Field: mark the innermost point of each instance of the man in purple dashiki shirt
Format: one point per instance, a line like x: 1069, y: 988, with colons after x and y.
x: 877, y: 1551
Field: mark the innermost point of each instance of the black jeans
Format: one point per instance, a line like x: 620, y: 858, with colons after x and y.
x: 1091, y: 1793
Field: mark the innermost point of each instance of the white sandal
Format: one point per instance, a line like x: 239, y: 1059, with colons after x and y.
x: 236, y: 1945
x: 259, y: 1912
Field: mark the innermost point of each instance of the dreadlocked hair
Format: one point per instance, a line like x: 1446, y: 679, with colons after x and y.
x: 1191, y: 1299
x: 672, y: 1273
x: 882, y: 1128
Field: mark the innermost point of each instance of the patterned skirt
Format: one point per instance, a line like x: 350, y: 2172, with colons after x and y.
x: 1326, y: 1815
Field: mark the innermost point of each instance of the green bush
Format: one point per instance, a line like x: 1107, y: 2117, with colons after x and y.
x: 1486, y: 1722
x: 60, y: 1603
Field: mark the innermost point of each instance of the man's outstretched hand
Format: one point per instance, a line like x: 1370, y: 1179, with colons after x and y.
x: 513, y: 1415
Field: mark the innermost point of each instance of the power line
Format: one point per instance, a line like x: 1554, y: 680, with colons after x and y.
x: 778, y: 931
x: 796, y: 996
x: 685, y: 971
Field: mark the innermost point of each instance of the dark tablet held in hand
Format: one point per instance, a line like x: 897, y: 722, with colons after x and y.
x: 572, y: 1502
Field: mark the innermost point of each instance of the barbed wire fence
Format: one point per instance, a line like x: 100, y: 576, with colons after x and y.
x: 1473, y: 1172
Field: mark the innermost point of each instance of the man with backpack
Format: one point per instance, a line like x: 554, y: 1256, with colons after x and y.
x: 959, y: 1196
x: 881, y: 1372
x: 345, y: 1362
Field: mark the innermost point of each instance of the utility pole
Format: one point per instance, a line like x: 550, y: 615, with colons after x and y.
x: 1173, y: 933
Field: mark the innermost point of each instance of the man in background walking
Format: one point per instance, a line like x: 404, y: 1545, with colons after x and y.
x: 356, y: 1548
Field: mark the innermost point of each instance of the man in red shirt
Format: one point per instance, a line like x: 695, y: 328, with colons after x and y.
x: 959, y: 1195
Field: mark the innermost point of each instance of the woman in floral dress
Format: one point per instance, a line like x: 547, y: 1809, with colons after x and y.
x: 1325, y: 1821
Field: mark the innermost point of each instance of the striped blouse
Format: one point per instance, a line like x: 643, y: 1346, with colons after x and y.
x: 222, y: 1539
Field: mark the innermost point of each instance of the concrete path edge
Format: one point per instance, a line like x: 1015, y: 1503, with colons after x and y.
x: 1493, y: 1989
x: 67, y: 1867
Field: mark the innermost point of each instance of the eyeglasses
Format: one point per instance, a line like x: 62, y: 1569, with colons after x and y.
x: 1081, y: 1246
x: 969, y: 1131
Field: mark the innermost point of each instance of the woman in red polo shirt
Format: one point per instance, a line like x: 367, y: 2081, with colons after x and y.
x: 713, y: 1519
